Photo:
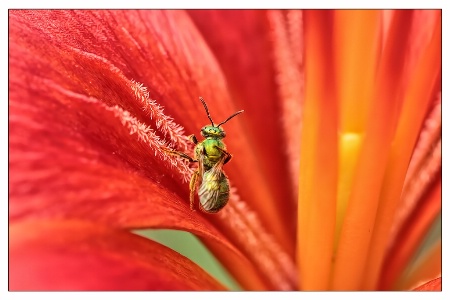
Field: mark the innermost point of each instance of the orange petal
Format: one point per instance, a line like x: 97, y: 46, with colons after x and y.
x: 356, y: 47
x: 425, y: 70
x: 360, y: 216
x: 318, y: 157
x: 77, y: 256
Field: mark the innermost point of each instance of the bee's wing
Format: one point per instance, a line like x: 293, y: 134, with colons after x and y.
x: 217, y: 169
x: 209, y: 191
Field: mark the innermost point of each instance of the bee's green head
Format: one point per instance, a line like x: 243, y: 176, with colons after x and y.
x: 213, y: 132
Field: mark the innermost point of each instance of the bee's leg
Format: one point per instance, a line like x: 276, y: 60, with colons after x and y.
x: 193, y: 139
x: 181, y: 154
x: 228, y: 156
x: 192, y: 187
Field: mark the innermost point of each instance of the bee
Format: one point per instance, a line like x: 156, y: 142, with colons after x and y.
x: 211, y: 155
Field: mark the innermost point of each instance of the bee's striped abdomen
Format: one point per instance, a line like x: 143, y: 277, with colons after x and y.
x: 214, y: 190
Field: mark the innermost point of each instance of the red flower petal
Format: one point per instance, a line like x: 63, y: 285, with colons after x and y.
x: 432, y: 285
x: 411, y: 235
x: 97, y: 185
x: 74, y: 255
x: 427, y: 267
x: 85, y: 140
x: 241, y: 42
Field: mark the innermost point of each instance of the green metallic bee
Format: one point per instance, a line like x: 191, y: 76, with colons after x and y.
x: 211, y: 155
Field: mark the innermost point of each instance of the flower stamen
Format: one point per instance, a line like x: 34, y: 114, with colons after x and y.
x: 144, y: 132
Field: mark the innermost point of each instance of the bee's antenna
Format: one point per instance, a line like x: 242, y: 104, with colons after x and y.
x: 232, y: 116
x: 207, y: 111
